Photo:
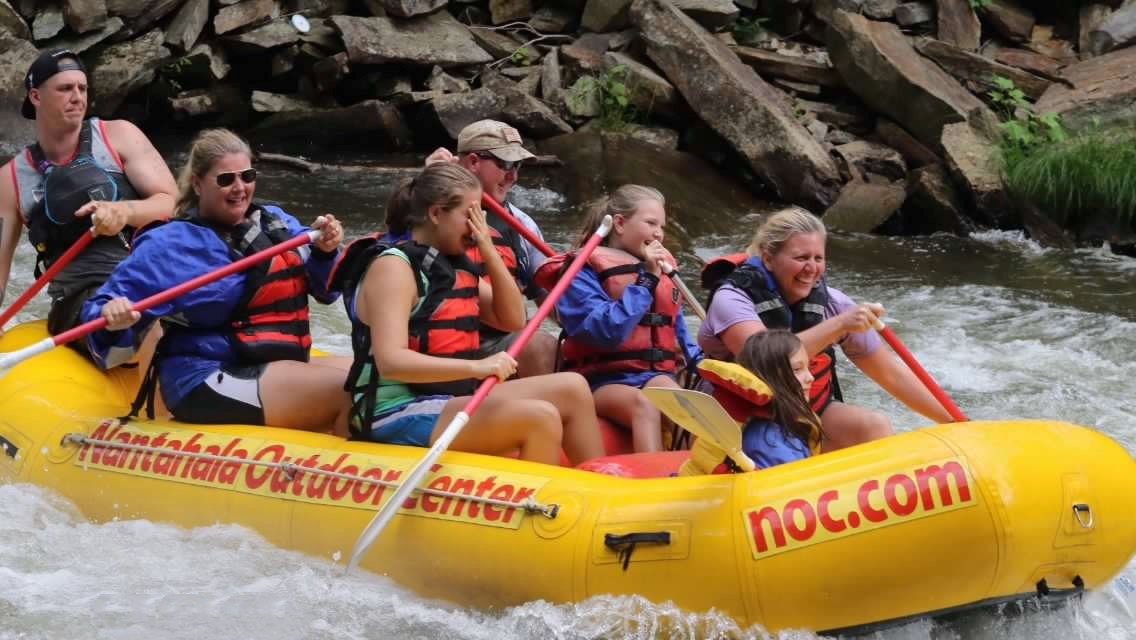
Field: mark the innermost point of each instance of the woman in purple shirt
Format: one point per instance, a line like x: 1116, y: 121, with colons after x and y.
x: 780, y: 284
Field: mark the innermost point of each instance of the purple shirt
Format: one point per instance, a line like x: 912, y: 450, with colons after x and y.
x: 731, y: 306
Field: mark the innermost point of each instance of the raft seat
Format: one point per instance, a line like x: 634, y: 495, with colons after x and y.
x: 662, y: 464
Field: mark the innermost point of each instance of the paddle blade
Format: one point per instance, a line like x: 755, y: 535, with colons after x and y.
x: 701, y: 415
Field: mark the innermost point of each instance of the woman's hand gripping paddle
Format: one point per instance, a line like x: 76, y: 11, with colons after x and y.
x: 701, y: 415
x: 57, y: 266
x: 685, y: 291
x: 901, y: 350
x: 416, y: 475
x: 9, y: 360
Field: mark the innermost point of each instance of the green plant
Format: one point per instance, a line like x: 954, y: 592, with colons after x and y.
x: 610, y: 91
x: 521, y: 57
x: 980, y: 4
x: 171, y: 70
x: 1023, y: 128
x: 1085, y: 176
x: 750, y: 31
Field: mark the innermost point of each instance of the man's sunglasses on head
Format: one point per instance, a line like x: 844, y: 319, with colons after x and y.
x: 248, y: 176
x: 504, y: 165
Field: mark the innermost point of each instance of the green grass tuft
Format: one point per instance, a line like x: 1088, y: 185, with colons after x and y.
x: 1071, y: 180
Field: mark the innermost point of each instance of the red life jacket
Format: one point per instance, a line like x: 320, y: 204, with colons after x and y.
x: 445, y: 323
x: 750, y: 277
x: 504, y: 248
x: 652, y: 344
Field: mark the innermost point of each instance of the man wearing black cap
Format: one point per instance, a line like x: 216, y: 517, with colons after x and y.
x: 81, y: 176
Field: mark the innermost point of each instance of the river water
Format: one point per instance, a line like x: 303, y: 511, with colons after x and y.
x: 1009, y: 329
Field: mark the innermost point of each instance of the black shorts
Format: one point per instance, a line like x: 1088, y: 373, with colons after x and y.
x: 65, y: 314
x: 230, y: 395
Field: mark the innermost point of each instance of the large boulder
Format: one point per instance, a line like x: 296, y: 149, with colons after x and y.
x: 186, y: 26
x: 80, y: 43
x: 12, y: 22
x: 84, y: 15
x: 368, y: 117
x: 972, y: 160
x: 122, y: 68
x: 424, y: 40
x: 1105, y: 92
x: 979, y: 70
x: 16, y: 55
x: 534, y: 118
x: 958, y: 24
x: 879, y: 64
x: 411, y: 8
x: 596, y: 162
x: 753, y: 116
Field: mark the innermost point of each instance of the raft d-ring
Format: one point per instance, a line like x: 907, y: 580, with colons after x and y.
x: 1084, y: 515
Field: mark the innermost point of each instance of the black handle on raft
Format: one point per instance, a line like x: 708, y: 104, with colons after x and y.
x: 624, y: 544
x: 1046, y: 593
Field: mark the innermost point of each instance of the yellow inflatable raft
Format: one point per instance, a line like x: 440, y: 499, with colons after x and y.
x: 923, y: 523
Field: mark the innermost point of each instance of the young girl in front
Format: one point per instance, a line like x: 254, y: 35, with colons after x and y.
x: 792, y: 431
x: 415, y: 309
x: 622, y: 316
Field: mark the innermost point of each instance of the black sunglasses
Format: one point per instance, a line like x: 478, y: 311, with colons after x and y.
x: 504, y: 165
x: 248, y: 176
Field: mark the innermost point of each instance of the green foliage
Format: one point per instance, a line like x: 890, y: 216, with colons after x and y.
x: 1023, y: 128
x: 170, y: 72
x: 612, y: 93
x: 521, y: 57
x: 1072, y: 179
x: 980, y: 4
x: 750, y: 31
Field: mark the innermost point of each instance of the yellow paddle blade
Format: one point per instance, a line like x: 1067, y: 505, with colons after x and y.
x: 701, y: 415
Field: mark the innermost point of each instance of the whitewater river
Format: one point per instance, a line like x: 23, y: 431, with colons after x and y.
x: 1010, y: 329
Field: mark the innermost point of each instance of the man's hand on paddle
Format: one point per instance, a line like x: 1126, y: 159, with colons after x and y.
x: 107, y: 218
x: 332, y: 233
x: 441, y: 154
x: 120, y: 314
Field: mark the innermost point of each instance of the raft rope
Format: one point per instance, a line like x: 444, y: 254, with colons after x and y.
x: 290, y: 469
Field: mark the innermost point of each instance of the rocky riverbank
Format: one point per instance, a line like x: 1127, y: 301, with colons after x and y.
x: 875, y: 113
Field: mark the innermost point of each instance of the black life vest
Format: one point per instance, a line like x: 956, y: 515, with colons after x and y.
x: 271, y: 320
x: 749, y: 275
x: 446, y: 322
x: 52, y: 225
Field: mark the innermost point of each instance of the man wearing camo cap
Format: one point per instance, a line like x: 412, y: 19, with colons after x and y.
x: 494, y: 152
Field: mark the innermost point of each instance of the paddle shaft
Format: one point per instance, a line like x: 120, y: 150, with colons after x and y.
x: 9, y: 360
x: 518, y: 226
x: 921, y: 373
x: 418, y: 473
x: 57, y: 266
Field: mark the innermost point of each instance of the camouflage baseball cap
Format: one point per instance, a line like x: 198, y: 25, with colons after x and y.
x: 495, y: 137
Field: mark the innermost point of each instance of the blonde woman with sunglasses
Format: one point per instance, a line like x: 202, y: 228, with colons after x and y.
x: 235, y: 351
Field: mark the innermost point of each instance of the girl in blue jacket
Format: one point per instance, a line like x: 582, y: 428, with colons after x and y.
x: 792, y: 431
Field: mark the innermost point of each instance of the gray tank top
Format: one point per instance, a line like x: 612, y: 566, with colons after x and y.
x: 100, y: 258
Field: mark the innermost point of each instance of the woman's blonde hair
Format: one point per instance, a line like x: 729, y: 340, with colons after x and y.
x: 780, y: 227
x: 624, y: 200
x: 208, y: 147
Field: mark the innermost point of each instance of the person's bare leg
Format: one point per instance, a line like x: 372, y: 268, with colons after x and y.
x: 628, y: 406
x: 538, y: 358
x: 846, y: 425
x: 505, y: 423
x: 569, y: 394
x: 666, y: 427
x: 301, y: 395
